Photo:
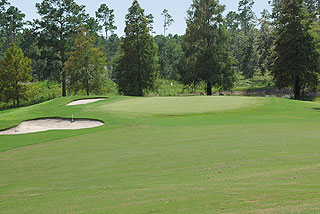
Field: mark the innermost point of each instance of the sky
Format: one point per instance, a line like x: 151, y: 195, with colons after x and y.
x: 177, y: 8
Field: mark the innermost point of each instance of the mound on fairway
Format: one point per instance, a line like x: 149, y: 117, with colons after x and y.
x: 84, y: 101
x: 46, y: 124
x: 180, y: 105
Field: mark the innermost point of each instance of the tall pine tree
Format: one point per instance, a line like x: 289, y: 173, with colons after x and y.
x: 206, y: 45
x: 105, y: 16
x: 58, y: 25
x: 136, y: 65
x: 246, y: 15
x: 296, y: 55
x: 247, y: 38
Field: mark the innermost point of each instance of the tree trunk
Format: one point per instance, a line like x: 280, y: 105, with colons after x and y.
x: 140, y: 90
x: 18, y: 103
x: 209, y: 89
x: 87, y: 87
x: 64, y: 91
x: 106, y: 33
x: 8, y: 37
x: 17, y: 92
x: 107, y: 52
x: 297, y: 89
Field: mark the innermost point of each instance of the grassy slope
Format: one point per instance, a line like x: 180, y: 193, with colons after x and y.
x: 260, y: 158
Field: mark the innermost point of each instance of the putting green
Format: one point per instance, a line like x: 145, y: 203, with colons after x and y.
x: 180, y: 105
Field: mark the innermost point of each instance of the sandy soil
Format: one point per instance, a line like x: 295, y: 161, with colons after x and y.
x: 84, y: 101
x: 51, y: 124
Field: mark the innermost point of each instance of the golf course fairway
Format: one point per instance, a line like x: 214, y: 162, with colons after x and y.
x: 165, y: 155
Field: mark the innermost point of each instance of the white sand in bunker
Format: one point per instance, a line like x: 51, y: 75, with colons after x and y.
x: 84, y: 101
x: 46, y: 124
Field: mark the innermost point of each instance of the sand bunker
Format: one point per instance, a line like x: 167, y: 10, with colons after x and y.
x: 84, y: 101
x: 46, y: 124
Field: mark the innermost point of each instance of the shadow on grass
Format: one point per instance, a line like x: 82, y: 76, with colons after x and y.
x: 308, y: 98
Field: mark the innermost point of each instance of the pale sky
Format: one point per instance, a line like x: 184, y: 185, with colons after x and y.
x: 177, y: 8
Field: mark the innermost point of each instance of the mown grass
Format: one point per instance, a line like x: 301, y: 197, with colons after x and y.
x: 261, y: 155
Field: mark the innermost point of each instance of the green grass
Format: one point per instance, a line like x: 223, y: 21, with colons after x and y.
x: 181, y: 105
x: 159, y: 155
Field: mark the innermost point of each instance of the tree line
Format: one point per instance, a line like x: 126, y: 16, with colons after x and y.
x: 80, y: 52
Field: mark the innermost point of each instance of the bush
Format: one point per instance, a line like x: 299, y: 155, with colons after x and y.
x: 42, y: 91
x: 174, y: 88
x: 257, y: 81
x: 37, y: 92
x: 108, y: 88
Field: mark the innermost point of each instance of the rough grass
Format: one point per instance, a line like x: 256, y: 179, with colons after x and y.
x: 261, y: 156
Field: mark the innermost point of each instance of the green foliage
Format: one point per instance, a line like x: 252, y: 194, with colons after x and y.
x: 258, y: 80
x: 110, y: 88
x: 85, y: 68
x: 46, y: 63
x: 276, y: 9
x: 167, y: 20
x: 265, y: 38
x: 206, y: 45
x: 14, y: 75
x: 313, y: 6
x: 245, y: 41
x: 92, y: 25
x: 169, y: 54
x: 296, y: 52
x: 246, y: 15
x: 106, y: 17
x: 175, y: 88
x: 38, y: 92
x: 136, y: 65
x: 11, y: 25
x: 233, y: 26
x: 248, y: 56
x: 109, y: 46
x: 58, y: 25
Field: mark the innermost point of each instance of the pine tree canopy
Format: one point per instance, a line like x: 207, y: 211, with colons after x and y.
x: 296, y: 55
x: 206, y: 47
x: 136, y: 66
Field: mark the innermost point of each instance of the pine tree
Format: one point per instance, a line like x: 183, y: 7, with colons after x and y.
x: 266, y: 38
x: 206, y: 45
x: 136, y: 65
x: 59, y: 23
x: 233, y: 26
x: 14, y: 75
x: 296, y: 63
x: 12, y: 24
x: 169, y: 54
x: 106, y: 17
x: 246, y: 15
x: 247, y: 39
x: 85, y: 69
x: 167, y: 20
